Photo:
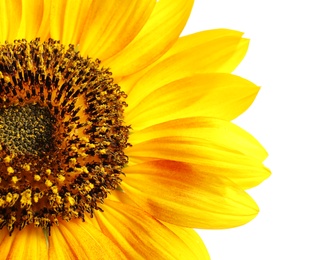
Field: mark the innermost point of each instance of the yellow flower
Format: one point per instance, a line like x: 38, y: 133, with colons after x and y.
x: 116, y: 134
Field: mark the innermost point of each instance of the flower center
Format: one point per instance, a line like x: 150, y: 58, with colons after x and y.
x: 26, y: 129
x: 62, y: 136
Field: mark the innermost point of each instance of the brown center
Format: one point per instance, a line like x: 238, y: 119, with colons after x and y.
x: 62, y: 135
x: 26, y: 129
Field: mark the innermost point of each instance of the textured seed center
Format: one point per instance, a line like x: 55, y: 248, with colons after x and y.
x: 62, y: 134
x: 26, y: 129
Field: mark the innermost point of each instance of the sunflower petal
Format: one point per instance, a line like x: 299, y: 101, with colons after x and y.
x: 111, y: 25
x: 157, y: 36
x: 44, y: 29
x: 58, y: 8
x: 68, y: 19
x: 229, y: 49
x: 221, y: 159
x: 75, y: 17
x: 29, y: 244
x: 224, y: 96
x: 215, y: 130
x: 11, y: 13
x: 35, y: 20
x: 78, y: 240
x: 3, y: 21
x: 204, y: 52
x: 187, y: 195
x: 139, y: 235
x: 191, y: 239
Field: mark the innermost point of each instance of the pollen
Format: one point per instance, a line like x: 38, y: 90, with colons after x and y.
x: 15, y: 179
x: 7, y: 159
x: 62, y: 134
x: 10, y: 170
x: 48, y: 183
x: 26, y: 167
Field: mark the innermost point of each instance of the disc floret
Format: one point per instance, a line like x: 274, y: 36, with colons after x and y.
x: 62, y: 134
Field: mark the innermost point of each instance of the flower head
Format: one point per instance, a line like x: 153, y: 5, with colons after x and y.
x: 116, y: 135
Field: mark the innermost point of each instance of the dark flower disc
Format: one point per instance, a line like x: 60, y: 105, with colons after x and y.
x: 62, y: 134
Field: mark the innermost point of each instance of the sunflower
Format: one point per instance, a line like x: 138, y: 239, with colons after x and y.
x: 116, y: 134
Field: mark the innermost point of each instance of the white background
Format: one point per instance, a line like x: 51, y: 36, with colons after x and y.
x: 290, y: 57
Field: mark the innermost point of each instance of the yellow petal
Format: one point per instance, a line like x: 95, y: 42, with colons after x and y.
x: 228, y: 49
x: 11, y: 12
x: 111, y: 25
x: 29, y: 243
x: 3, y: 21
x: 211, y: 95
x: 44, y: 29
x: 80, y: 240
x: 187, y: 195
x: 58, y: 8
x: 34, y: 20
x: 24, y: 19
x: 192, y: 240
x: 67, y: 20
x: 222, y: 133
x: 214, y: 130
x: 156, y: 37
x: 139, y: 235
x: 204, y: 52
x: 222, y: 160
